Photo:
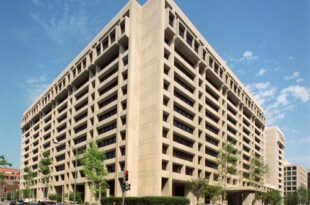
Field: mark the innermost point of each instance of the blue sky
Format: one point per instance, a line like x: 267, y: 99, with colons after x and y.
x: 265, y: 43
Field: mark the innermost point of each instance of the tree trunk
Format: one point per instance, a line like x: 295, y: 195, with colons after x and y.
x: 99, y: 193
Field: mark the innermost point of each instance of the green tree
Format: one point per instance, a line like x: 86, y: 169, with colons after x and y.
x: 197, y: 187
x: 92, y: 161
x: 257, y: 171
x: 28, y: 177
x: 302, y: 194
x: 272, y: 197
x: 227, y: 159
x: 55, y: 197
x: 213, y: 192
x: 45, y: 170
x: 3, y: 163
x: 291, y: 199
x: 78, y: 196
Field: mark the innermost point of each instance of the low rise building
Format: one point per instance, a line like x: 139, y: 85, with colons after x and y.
x: 295, y: 176
x: 11, y: 180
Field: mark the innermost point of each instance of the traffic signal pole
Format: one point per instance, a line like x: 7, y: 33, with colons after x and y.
x: 125, y: 185
x: 123, y: 189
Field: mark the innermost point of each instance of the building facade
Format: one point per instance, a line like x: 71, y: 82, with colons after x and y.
x: 295, y: 176
x: 274, y: 157
x: 11, y: 180
x: 308, y: 179
x: 152, y: 92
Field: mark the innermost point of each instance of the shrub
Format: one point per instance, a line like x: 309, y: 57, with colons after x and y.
x: 78, y: 197
x: 55, y: 197
x: 148, y: 200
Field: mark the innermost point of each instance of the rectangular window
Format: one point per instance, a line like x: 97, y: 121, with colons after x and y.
x: 211, y: 128
x: 80, y: 140
x: 107, y: 128
x: 110, y: 155
x: 107, y: 115
x: 107, y: 101
x: 182, y: 140
x: 182, y: 155
x: 107, y: 142
x: 182, y: 126
x: 183, y: 112
x: 184, y: 99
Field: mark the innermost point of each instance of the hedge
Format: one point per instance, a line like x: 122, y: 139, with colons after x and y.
x: 148, y: 200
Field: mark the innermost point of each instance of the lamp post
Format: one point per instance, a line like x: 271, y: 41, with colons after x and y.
x: 74, y: 192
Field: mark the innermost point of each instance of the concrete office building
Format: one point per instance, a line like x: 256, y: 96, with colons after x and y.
x: 274, y: 157
x: 309, y: 179
x: 295, y: 176
x: 156, y: 97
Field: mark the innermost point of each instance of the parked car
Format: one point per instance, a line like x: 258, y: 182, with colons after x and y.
x: 46, y: 203
x: 17, y: 202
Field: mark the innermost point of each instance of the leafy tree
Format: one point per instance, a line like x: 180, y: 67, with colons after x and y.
x: 257, y: 171
x: 213, y: 192
x: 92, y: 161
x: 291, y: 199
x: 308, y: 195
x: 197, y: 187
x: 55, y: 197
x: 227, y: 159
x: 272, y: 197
x: 3, y: 163
x: 45, y: 170
x: 302, y: 194
x: 78, y: 196
x: 28, y: 177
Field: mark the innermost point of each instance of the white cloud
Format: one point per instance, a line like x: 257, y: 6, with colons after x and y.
x: 248, y: 56
x: 297, y: 92
x: 277, y: 105
x: 290, y: 58
x: 262, y: 92
x: 299, y: 80
x: 66, y: 23
x: 293, y: 76
x: 41, y: 79
x: 273, y: 115
x: 35, y: 87
x: 261, y: 72
x: 35, y: 91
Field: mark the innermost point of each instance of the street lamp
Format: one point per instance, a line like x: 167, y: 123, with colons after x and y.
x: 74, y: 193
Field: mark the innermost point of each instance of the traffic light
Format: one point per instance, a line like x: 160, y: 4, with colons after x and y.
x: 126, y: 175
x: 126, y: 187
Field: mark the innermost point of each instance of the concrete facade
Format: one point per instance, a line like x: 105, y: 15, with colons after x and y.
x: 308, y: 175
x: 274, y: 158
x: 295, y: 176
x: 153, y: 94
